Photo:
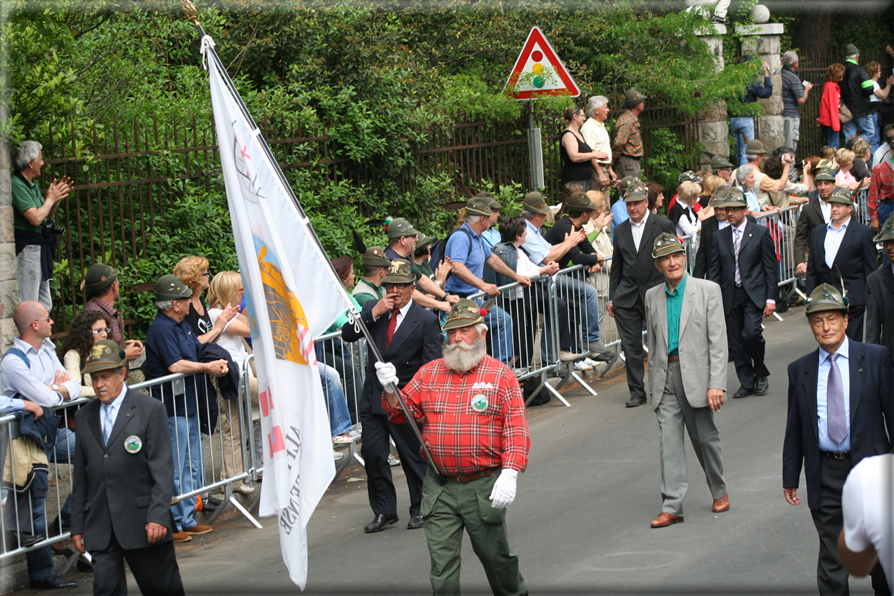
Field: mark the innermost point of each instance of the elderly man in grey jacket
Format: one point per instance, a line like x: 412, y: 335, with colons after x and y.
x: 687, y: 375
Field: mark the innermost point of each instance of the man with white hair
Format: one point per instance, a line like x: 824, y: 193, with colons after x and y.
x: 794, y: 93
x: 478, y: 438
x: 596, y: 136
x: 35, y: 237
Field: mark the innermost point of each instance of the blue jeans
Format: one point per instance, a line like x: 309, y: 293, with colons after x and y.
x: 336, y: 403
x: 876, y: 136
x: 832, y: 136
x: 500, y: 324
x: 63, y: 453
x: 186, y: 441
x: 28, y: 516
x: 864, y: 123
x: 570, y: 288
x: 737, y: 127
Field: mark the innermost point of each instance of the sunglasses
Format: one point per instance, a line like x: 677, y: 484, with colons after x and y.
x: 98, y: 331
x: 43, y: 319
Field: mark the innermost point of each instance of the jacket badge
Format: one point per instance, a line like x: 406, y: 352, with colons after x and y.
x: 133, y: 444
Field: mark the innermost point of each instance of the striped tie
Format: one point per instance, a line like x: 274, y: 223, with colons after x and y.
x: 737, y: 242
x: 106, y: 423
x: 835, y: 403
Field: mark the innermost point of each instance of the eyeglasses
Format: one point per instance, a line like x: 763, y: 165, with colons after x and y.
x: 43, y: 319
x: 206, y: 274
x: 98, y: 331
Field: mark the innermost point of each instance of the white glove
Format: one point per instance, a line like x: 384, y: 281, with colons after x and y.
x: 503, y: 493
x: 386, y: 373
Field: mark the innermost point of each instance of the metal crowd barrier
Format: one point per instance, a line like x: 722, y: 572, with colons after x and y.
x: 782, y: 226
x: 861, y: 207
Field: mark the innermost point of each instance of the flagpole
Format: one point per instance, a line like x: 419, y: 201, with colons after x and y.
x: 190, y: 12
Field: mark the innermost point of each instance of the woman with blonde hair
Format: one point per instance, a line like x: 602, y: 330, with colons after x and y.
x: 682, y: 214
x: 226, y: 289
x: 710, y: 184
x: 844, y: 178
x: 193, y: 271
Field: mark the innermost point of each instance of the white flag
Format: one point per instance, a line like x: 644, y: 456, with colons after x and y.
x: 292, y: 296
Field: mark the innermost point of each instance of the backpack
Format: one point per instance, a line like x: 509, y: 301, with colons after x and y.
x: 440, y: 248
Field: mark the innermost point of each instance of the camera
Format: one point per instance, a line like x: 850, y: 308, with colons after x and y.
x: 51, y: 228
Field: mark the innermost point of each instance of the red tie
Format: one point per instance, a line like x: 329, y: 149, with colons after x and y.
x: 392, y: 325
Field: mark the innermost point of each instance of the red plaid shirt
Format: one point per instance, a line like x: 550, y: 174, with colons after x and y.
x: 462, y: 440
x: 114, y: 315
x: 628, y: 139
x: 881, y: 188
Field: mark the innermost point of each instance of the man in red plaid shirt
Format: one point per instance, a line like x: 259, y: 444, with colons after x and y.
x: 477, y: 434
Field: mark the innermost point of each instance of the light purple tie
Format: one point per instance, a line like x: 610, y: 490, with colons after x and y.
x: 737, y: 242
x: 835, y: 403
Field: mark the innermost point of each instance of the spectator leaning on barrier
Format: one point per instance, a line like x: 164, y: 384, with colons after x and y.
x: 881, y: 187
x: 627, y: 148
x: 856, y: 88
x: 840, y: 411
x: 794, y: 93
x: 491, y: 235
x: 687, y: 376
x: 422, y: 265
x: 408, y: 337
x: 402, y: 238
x: 193, y: 271
x: 829, y: 116
x: 633, y: 273
x: 761, y: 183
x: 843, y: 252
x: 844, y: 178
x: 596, y: 135
x: 862, y: 158
x: 375, y: 267
x: 121, y: 488
x: 172, y: 347
x: 774, y: 169
x: 86, y: 329
x: 742, y: 127
x: 32, y: 371
x: 469, y: 253
x: 104, y: 290
x: 884, y: 151
x: 35, y: 230
x: 880, y: 293
x: 476, y: 431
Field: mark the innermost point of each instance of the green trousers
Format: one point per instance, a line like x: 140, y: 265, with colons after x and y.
x: 450, y: 508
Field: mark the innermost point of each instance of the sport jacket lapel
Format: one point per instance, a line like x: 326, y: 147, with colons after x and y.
x: 808, y: 390
x: 125, y: 415
x: 857, y: 371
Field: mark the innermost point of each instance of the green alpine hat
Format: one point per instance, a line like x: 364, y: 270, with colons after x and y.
x: 887, y: 231
x: 850, y: 50
x: 424, y: 240
x: 104, y: 355
x: 842, y: 195
x: 827, y: 174
x: 624, y: 184
x: 580, y: 202
x: 399, y: 272
x: 463, y: 314
x: 399, y: 227
x: 735, y: 198
x: 689, y: 176
x: 171, y: 287
x: 491, y: 200
x: 478, y: 206
x: 636, y: 192
x: 720, y: 196
x: 755, y: 147
x: 666, y: 244
x: 633, y: 98
x: 535, y: 204
x: 375, y: 257
x: 826, y: 297
x: 99, y: 277
x: 719, y: 162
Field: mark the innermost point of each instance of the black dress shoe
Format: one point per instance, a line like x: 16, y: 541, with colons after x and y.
x: 84, y: 566
x: 16, y: 540
x: 63, y: 552
x: 52, y: 583
x: 602, y: 357
x: 743, y: 392
x: 415, y: 522
x: 380, y: 523
x: 761, y: 386
x: 635, y: 402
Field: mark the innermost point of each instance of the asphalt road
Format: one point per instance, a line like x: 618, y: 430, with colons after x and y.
x: 580, y: 522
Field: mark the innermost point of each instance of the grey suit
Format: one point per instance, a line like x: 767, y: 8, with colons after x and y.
x: 679, y: 390
x: 116, y: 492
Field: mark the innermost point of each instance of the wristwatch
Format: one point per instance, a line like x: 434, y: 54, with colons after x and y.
x: 55, y: 387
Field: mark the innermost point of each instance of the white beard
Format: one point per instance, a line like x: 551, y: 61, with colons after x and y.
x: 462, y: 357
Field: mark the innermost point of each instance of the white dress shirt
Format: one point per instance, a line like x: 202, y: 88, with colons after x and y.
x: 833, y: 241
x: 637, y: 230
x: 822, y: 379
x: 826, y: 208
x: 32, y: 382
x: 721, y: 225
x: 596, y: 136
x: 400, y: 314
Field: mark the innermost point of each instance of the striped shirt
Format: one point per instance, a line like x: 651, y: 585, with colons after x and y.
x: 472, y: 421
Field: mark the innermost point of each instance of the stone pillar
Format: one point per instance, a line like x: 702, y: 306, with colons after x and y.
x: 763, y: 41
x: 713, y: 125
x: 9, y: 286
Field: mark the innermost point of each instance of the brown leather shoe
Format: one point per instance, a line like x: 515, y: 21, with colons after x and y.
x: 721, y: 504
x: 182, y: 537
x: 666, y: 519
x: 198, y: 529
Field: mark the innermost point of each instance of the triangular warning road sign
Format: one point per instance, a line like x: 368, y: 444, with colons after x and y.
x: 538, y: 71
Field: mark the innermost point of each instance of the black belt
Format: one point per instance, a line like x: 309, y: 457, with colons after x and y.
x: 836, y: 454
x: 473, y: 476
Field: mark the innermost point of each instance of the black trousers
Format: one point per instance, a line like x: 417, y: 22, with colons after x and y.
x: 746, y: 339
x: 831, y: 577
x: 630, y: 323
x: 855, y: 314
x: 375, y: 449
x: 154, y: 567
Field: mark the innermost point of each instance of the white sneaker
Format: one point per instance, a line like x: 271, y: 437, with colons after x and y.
x: 585, y: 364
x: 338, y: 455
x: 244, y: 489
x: 393, y: 461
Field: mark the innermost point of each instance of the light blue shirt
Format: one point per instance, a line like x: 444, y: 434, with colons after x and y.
x: 822, y: 379
x: 753, y: 203
x: 536, y: 245
x: 31, y: 382
x: 110, y: 411
x: 8, y: 405
x: 491, y: 237
x: 833, y: 241
x: 619, y: 215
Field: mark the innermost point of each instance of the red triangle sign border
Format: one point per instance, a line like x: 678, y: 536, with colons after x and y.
x: 536, y: 37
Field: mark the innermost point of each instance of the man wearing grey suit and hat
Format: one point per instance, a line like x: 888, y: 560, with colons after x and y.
x: 687, y: 375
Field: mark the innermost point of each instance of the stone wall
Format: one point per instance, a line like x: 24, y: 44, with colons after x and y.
x: 9, y: 287
x: 764, y: 42
x: 713, y: 124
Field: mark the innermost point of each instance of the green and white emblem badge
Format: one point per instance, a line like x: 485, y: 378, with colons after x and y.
x: 133, y: 444
x: 479, y: 403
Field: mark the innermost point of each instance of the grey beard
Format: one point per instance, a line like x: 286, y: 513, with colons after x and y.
x: 462, y: 357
